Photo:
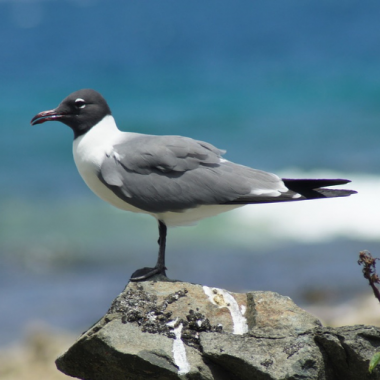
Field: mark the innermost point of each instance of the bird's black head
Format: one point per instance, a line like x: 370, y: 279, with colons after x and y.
x: 81, y: 110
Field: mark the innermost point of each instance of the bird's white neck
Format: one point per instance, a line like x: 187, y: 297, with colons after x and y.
x: 103, y: 131
x: 93, y: 145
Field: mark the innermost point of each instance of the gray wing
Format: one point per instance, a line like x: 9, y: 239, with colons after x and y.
x: 172, y: 173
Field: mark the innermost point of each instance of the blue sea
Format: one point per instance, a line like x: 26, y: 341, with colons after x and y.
x: 291, y: 87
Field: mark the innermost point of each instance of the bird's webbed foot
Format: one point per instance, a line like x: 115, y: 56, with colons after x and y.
x: 146, y: 273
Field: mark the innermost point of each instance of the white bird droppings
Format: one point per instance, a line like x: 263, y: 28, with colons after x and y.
x: 179, y: 351
x: 222, y: 298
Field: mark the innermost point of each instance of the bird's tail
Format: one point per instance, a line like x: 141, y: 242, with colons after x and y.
x: 314, y: 188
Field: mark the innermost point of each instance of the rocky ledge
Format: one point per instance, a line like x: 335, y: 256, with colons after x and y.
x: 174, y: 330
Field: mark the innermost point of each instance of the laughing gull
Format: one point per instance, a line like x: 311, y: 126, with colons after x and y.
x: 176, y: 179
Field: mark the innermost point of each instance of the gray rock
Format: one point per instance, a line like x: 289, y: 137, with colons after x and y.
x: 174, y: 330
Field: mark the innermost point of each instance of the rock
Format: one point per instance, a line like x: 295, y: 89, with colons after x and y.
x: 174, y: 330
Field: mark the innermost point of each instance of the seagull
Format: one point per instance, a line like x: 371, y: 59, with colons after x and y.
x: 176, y: 179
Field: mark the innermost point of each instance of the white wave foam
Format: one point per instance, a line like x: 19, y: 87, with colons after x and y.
x: 356, y: 217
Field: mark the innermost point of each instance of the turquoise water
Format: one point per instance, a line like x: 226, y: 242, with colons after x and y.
x: 288, y: 87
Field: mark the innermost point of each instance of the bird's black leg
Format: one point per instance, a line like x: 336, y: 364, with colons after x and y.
x: 146, y: 273
x: 162, y: 230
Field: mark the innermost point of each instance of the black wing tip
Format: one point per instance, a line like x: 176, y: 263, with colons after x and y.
x: 314, y: 188
x: 319, y: 181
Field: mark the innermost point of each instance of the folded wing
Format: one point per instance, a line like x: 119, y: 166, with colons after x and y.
x: 172, y: 173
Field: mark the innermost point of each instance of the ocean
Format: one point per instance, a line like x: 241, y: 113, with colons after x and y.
x: 288, y: 87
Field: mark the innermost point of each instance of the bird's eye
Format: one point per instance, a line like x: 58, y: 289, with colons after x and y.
x: 80, y: 103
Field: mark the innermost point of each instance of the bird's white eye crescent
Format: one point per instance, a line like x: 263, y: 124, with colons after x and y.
x: 80, y: 103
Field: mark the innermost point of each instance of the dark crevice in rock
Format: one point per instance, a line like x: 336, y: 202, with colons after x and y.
x: 330, y: 370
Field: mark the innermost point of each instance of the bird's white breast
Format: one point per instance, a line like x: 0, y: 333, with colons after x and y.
x: 89, y: 151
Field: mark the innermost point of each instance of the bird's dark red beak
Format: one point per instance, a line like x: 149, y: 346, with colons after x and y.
x: 50, y: 115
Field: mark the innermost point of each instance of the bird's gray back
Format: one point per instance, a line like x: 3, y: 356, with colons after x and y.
x: 172, y: 173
